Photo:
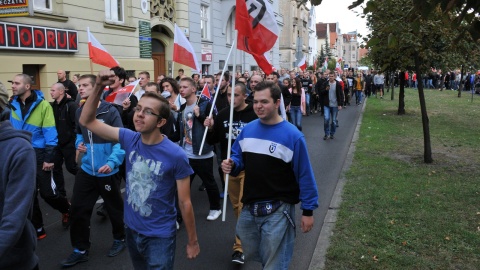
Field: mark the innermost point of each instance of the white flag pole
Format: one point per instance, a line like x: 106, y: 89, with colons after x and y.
x: 230, y: 124
x: 215, y: 97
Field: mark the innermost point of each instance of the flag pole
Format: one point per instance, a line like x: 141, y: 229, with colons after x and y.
x: 215, y: 97
x: 230, y: 124
x: 91, y: 66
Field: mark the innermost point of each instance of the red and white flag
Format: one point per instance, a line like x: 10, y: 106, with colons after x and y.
x: 257, y: 30
x: 183, y: 52
x: 123, y: 93
x: 302, y: 64
x: 315, y: 65
x: 98, y: 54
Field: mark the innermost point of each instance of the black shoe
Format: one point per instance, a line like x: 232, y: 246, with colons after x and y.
x: 331, y: 137
x: 238, y: 257
x: 101, y: 211
x: 41, y: 234
x: 201, y: 188
x: 117, y: 247
x: 336, y: 125
x: 325, y: 137
x: 75, y: 257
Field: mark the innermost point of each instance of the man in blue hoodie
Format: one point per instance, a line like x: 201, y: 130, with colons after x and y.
x: 17, y: 187
x: 98, y: 175
x: 31, y: 112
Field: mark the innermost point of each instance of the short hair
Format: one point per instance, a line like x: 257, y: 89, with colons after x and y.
x: 149, y: 84
x: 242, y: 86
x: 120, y: 73
x: 59, y: 86
x: 77, y: 75
x: 91, y: 77
x: 275, y: 74
x: 172, y: 82
x: 275, y: 91
x: 25, y: 78
x: 181, y: 69
x: 189, y: 80
x: 195, y: 74
x: 146, y: 73
x: 132, y: 76
x: 164, y: 109
x: 209, y: 77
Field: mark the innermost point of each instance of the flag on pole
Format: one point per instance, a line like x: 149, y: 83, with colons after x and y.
x: 314, y: 65
x: 206, y: 93
x: 338, y: 67
x: 183, y: 52
x: 123, y: 93
x: 98, y: 54
x: 302, y: 64
x: 325, y: 64
x: 257, y: 30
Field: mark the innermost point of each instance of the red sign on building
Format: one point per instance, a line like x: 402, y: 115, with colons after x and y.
x: 26, y: 37
x: 15, y: 8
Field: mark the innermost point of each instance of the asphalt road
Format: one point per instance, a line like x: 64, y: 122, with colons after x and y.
x: 215, y: 237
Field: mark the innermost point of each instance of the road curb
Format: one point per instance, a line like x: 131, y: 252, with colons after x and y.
x: 319, y: 255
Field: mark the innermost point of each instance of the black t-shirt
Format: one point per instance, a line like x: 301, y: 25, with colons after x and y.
x: 306, y: 83
x: 70, y: 88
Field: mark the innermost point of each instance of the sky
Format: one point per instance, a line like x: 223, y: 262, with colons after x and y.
x: 331, y: 11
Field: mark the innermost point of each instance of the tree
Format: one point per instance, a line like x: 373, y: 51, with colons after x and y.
x: 328, y: 52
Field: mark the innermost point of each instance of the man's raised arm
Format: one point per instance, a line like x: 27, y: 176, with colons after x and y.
x: 88, y: 119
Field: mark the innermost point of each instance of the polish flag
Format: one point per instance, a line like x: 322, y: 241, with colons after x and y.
x: 98, y: 54
x: 123, y: 93
x: 302, y: 64
x: 183, y: 52
x: 257, y: 30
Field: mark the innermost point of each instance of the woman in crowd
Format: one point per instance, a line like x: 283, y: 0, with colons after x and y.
x: 170, y: 85
x: 297, y: 104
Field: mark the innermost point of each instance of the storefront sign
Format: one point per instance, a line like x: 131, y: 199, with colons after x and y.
x: 145, y: 37
x: 207, y: 52
x: 26, y: 37
x: 15, y: 8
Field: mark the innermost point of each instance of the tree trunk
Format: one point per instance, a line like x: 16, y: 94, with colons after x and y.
x: 460, y: 87
x: 401, y: 95
x: 427, y: 146
x: 392, y: 97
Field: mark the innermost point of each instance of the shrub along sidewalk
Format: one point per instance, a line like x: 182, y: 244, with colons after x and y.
x: 400, y: 213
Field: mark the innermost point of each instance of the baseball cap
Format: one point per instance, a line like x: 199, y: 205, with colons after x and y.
x: 3, y: 96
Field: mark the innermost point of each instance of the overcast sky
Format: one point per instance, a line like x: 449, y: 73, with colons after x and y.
x: 331, y: 11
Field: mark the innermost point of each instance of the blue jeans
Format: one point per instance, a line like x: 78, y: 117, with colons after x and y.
x: 296, y: 116
x: 330, y: 113
x: 150, y: 252
x: 358, y: 96
x: 307, y: 103
x: 268, y: 239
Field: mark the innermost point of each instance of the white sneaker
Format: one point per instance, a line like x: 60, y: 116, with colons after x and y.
x: 214, y: 214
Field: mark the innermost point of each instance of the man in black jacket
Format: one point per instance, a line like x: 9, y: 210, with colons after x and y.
x: 331, y: 97
x: 64, y: 109
x: 70, y: 88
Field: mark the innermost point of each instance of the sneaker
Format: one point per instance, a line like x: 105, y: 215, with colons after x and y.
x: 325, y: 137
x: 76, y: 257
x: 101, y: 211
x: 117, y: 247
x: 41, y: 234
x: 65, y: 220
x: 331, y: 137
x: 178, y: 225
x: 201, y: 188
x: 214, y: 214
x: 238, y: 257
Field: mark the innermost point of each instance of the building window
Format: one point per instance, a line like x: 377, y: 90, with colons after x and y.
x: 114, y: 11
x: 42, y: 5
x: 204, y: 22
x: 230, y: 28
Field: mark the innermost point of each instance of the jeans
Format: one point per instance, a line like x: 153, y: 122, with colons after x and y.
x: 150, y: 252
x: 268, y: 239
x: 307, y: 104
x: 204, y: 169
x: 330, y: 113
x: 296, y: 116
x: 358, y: 96
x: 86, y: 190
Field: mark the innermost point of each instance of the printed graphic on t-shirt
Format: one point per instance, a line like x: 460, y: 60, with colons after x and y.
x: 188, y: 127
x: 237, y: 127
x: 143, y: 178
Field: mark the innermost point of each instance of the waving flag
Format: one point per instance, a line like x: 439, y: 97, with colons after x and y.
x: 98, y: 54
x: 302, y: 64
x: 206, y: 93
x: 257, y: 30
x: 338, y: 67
x: 314, y: 65
x: 325, y: 64
x: 183, y: 52
x: 123, y: 93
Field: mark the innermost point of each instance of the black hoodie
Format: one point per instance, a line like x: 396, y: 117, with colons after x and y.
x: 219, y: 133
x: 17, y: 186
x: 64, y: 113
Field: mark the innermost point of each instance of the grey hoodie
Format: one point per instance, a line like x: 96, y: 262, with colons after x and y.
x: 17, y: 186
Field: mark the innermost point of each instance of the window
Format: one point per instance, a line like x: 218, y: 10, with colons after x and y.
x: 230, y: 28
x: 114, y: 11
x: 42, y: 5
x: 204, y: 22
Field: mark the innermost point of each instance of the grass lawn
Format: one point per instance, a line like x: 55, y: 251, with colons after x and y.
x: 399, y: 213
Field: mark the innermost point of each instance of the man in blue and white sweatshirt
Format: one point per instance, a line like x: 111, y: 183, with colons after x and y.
x: 278, y: 175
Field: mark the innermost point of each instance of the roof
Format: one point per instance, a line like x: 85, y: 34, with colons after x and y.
x: 322, y: 29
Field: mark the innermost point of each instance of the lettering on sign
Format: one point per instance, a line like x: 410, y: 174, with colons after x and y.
x: 27, y: 37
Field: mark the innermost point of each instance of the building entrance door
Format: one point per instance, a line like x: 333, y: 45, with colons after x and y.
x: 158, y: 64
